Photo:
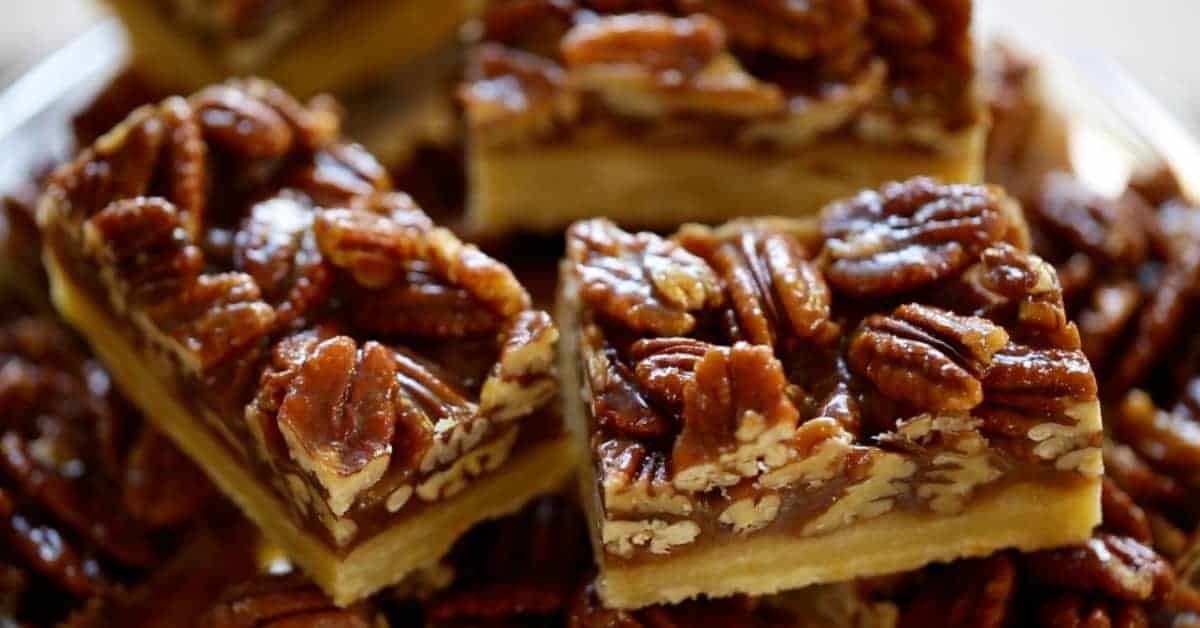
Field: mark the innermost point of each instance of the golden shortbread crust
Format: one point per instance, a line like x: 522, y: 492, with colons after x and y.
x: 373, y: 564
x: 544, y: 187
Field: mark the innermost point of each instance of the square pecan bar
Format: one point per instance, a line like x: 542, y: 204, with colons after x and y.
x: 781, y: 402
x: 358, y: 380
x: 307, y: 46
x: 708, y: 110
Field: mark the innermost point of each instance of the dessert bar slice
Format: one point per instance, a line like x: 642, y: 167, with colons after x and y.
x: 780, y: 402
x: 708, y: 110
x: 306, y: 45
x: 358, y: 380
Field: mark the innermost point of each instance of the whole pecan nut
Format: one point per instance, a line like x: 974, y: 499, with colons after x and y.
x: 909, y: 235
x: 925, y: 356
x: 642, y: 281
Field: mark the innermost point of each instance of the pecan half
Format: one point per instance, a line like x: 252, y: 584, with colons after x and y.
x: 421, y: 304
x: 338, y: 416
x: 1033, y: 379
x: 215, y: 318
x: 185, y: 162
x: 512, y: 95
x: 644, y: 282
x: 338, y: 175
x: 909, y: 235
x: 776, y: 292
x: 737, y: 396
x: 276, y: 248
x: 1021, y: 292
x: 664, y: 366
x: 243, y: 125
x: 1108, y: 228
x: 145, y: 241
x: 657, y: 43
x: 489, y: 281
x: 617, y: 403
x: 372, y: 245
x: 796, y: 30
x: 1107, y: 563
x: 283, y: 602
x: 927, y: 357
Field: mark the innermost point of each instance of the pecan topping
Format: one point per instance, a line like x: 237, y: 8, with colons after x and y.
x: 657, y: 43
x: 338, y: 416
x: 797, y: 30
x: 276, y: 248
x: 925, y: 356
x: 1110, y: 564
x: 909, y: 235
x: 421, y: 304
x: 218, y: 316
x: 617, y: 403
x: 241, y: 124
x: 145, y: 242
x: 522, y: 379
x: 775, y: 290
x: 371, y: 245
x: 185, y: 161
x: 514, y: 94
x: 283, y: 602
x: 1109, y: 229
x: 666, y: 365
x: 643, y: 281
x: 464, y: 265
x: 1168, y: 439
x: 1020, y: 291
x: 338, y: 175
x: 161, y: 486
x: 737, y: 394
x: 1037, y: 378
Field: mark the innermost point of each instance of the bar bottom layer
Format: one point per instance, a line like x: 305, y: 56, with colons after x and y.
x: 546, y: 187
x: 377, y: 562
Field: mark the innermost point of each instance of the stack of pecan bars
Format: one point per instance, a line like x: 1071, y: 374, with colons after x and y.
x: 362, y: 383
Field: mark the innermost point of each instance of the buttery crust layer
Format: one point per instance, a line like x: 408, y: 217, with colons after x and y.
x: 374, y: 563
x: 657, y: 187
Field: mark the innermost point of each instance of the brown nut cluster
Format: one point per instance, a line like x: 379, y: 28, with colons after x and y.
x: 242, y: 238
x: 289, y: 601
x: 88, y: 493
x: 796, y: 30
x: 911, y: 235
x: 750, y: 386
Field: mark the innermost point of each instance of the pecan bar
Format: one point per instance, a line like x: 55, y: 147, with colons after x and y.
x: 654, y: 113
x: 779, y: 402
x: 308, y: 46
x: 363, y: 384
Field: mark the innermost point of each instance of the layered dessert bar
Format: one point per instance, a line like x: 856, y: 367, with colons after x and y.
x: 706, y: 110
x: 779, y: 402
x: 364, y: 385
x: 307, y: 46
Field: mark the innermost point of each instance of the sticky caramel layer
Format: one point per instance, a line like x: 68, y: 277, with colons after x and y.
x: 377, y: 560
x: 352, y: 45
x: 640, y: 185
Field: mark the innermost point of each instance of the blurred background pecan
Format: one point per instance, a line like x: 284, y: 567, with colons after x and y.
x: 91, y: 498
